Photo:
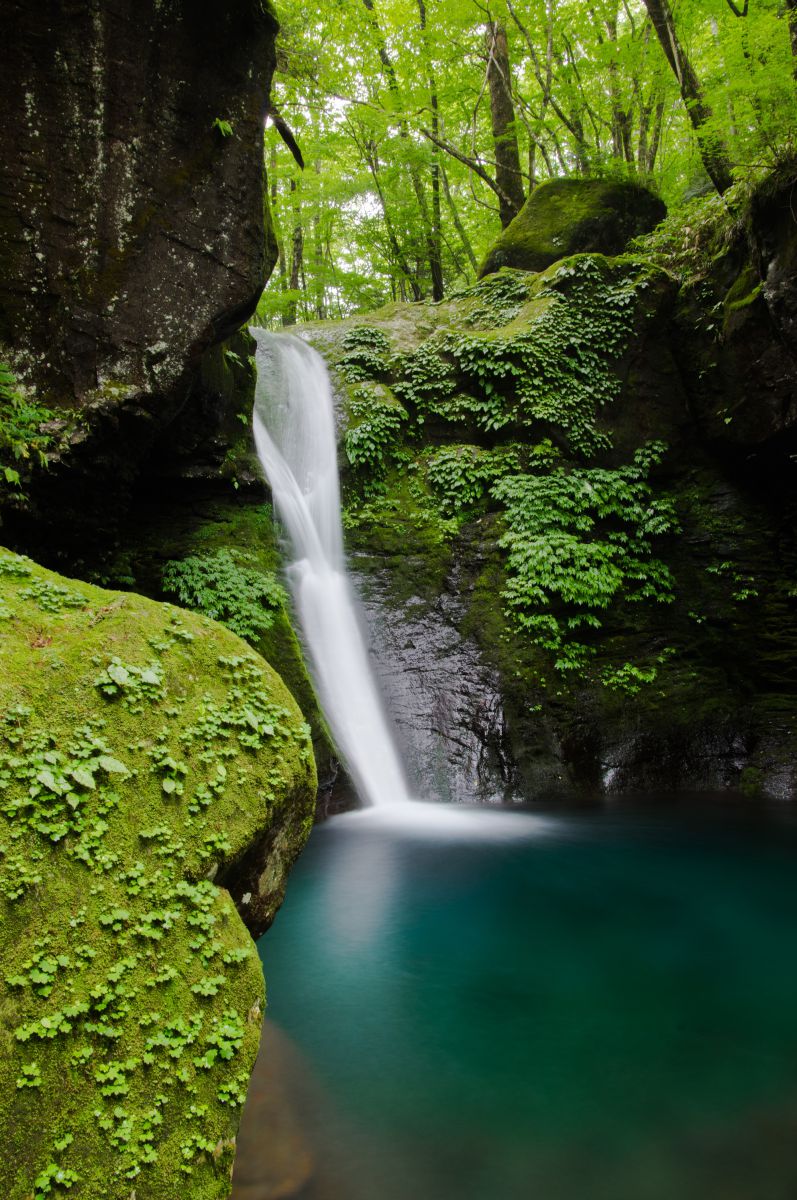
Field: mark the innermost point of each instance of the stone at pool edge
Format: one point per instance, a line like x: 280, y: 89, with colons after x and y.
x: 574, y: 216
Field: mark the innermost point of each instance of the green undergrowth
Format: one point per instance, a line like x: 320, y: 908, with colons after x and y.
x: 228, y: 586
x: 527, y: 354
x: 143, y: 750
x: 505, y: 409
x: 23, y: 441
x: 578, y: 541
x: 695, y: 235
x: 220, y: 557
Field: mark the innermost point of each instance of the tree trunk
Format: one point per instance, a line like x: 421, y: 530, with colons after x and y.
x: 460, y: 228
x: 297, y: 262
x: 435, y: 242
x: 319, y: 285
x: 507, y: 158
x: 432, y: 248
x: 276, y: 218
x: 791, y: 12
x: 712, y: 151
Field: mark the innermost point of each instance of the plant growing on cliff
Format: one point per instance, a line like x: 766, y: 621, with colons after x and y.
x: 228, y: 588
x: 224, y: 127
x: 376, y: 425
x: 366, y: 354
x: 577, y: 542
x: 461, y: 475
x: 22, y: 441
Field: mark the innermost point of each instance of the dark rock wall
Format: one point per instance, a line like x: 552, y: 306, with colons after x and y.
x: 132, y: 230
x: 745, y: 379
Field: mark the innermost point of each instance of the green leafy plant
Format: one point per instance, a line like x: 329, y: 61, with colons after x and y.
x: 22, y: 441
x: 224, y: 127
x: 461, y: 475
x: 376, y: 424
x: 229, y: 588
x: 366, y: 354
x: 577, y: 541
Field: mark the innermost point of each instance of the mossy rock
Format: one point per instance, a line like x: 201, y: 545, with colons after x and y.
x: 144, y: 752
x: 168, y: 530
x: 574, y: 216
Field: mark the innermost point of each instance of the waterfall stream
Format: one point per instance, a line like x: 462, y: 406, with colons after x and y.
x: 294, y: 427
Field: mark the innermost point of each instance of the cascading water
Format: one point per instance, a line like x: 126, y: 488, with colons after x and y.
x: 294, y: 431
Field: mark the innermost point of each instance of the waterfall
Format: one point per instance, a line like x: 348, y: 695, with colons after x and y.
x: 294, y: 428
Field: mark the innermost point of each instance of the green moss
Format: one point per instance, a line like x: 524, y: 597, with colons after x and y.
x: 571, y: 216
x: 143, y: 750
x: 172, y: 532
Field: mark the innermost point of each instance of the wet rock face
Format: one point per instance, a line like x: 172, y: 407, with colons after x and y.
x: 444, y: 698
x: 131, y: 228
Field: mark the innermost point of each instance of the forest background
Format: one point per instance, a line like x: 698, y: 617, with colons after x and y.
x: 423, y: 125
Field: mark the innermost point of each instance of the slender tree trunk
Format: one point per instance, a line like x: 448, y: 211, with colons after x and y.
x: 455, y: 217
x: 275, y: 217
x: 399, y: 257
x: 318, y: 253
x: 432, y: 249
x: 791, y: 12
x: 621, y: 117
x: 712, y: 151
x: 544, y: 75
x: 297, y: 261
x: 436, y: 240
x: 502, y: 109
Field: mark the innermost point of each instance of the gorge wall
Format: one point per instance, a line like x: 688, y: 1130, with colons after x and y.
x: 134, y: 223
x: 573, y: 493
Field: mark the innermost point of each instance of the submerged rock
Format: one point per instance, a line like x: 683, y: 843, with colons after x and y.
x: 574, y: 216
x: 150, y: 765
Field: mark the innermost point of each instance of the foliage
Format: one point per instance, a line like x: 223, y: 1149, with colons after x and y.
x: 375, y: 426
x: 461, y: 475
x: 365, y: 354
x: 401, y: 141
x: 22, y: 442
x: 227, y: 587
x: 495, y: 300
x: 556, y: 369
x: 689, y: 241
x: 577, y: 541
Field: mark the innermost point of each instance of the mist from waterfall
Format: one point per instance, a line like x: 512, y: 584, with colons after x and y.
x: 294, y: 428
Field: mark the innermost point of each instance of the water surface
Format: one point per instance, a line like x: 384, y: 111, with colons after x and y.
x: 572, y: 1008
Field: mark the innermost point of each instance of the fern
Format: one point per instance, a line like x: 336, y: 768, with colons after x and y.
x: 241, y: 596
x: 21, y: 439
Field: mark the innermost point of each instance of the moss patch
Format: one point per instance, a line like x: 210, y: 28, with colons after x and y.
x: 142, y: 751
x: 169, y: 532
x: 573, y: 216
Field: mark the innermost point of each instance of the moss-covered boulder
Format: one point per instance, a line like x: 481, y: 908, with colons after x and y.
x: 147, y: 755
x: 574, y: 216
x: 218, y: 554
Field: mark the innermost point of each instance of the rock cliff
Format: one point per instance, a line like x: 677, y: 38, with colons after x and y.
x: 588, y: 474
x: 132, y: 206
